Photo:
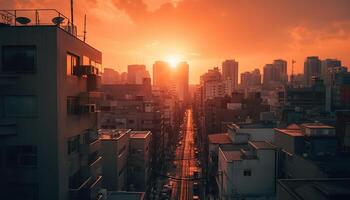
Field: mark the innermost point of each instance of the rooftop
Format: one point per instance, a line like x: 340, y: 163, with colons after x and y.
x: 37, y: 17
x: 317, y: 126
x: 219, y: 138
x: 291, y: 132
x: 261, y: 145
x: 112, y: 134
x: 316, y: 188
x: 139, y: 134
x: 267, y: 125
x: 232, y: 154
x: 125, y: 195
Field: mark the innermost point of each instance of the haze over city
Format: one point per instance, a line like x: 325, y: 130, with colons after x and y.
x: 205, y: 32
x: 174, y: 99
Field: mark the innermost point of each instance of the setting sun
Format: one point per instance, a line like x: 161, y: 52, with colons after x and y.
x: 173, y: 60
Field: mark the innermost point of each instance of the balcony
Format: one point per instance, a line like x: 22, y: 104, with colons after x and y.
x: 90, y: 146
x: 93, y: 82
x: 8, y: 127
x: 95, y: 166
x: 82, y: 70
x: 89, y: 190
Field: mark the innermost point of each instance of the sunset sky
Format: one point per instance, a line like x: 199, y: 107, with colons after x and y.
x: 206, y: 32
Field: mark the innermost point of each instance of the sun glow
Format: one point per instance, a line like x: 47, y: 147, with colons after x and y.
x: 173, y: 60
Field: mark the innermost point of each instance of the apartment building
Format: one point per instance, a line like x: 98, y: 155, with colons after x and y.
x: 247, y: 172
x: 139, y: 160
x: 115, y: 151
x: 49, y: 81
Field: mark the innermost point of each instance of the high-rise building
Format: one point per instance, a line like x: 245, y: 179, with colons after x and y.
x: 275, y: 74
x: 48, y: 121
x: 327, y: 67
x: 181, y: 80
x: 281, y: 70
x: 230, y: 71
x: 161, y: 72
x: 312, y: 69
x: 252, y: 78
x: 110, y: 76
x: 137, y: 74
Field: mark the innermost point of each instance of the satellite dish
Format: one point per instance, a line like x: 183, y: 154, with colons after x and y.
x: 57, y: 20
x: 23, y: 20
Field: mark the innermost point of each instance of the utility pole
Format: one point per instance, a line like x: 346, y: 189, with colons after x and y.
x: 84, y: 27
x: 71, y: 14
x: 292, y: 75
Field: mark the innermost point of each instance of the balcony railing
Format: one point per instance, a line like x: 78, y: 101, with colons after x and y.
x: 88, y: 191
x: 37, y: 17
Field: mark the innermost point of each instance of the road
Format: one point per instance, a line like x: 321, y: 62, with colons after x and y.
x: 185, y: 161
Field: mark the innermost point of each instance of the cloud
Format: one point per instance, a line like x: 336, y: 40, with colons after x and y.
x: 253, y: 32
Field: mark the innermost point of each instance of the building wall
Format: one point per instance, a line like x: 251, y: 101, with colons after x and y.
x: 114, y: 162
x: 50, y: 127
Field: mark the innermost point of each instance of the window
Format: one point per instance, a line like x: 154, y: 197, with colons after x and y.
x: 72, y: 61
x: 22, y: 156
x: 20, y: 106
x: 73, y: 144
x: 18, y: 58
x: 247, y: 172
x: 72, y: 105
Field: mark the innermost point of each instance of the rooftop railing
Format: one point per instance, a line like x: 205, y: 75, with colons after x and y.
x: 37, y: 17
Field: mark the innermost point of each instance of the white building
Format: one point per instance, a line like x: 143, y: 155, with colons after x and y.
x: 114, y: 150
x: 247, y: 173
x: 139, y: 160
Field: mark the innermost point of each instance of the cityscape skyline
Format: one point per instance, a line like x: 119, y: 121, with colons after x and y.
x: 158, y: 31
x: 190, y: 120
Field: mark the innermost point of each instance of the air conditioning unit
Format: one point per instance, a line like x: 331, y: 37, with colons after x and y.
x: 88, y: 108
x: 85, y: 70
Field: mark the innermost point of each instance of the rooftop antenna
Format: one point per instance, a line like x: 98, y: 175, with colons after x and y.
x: 292, y: 75
x: 85, y: 28
x: 71, y: 13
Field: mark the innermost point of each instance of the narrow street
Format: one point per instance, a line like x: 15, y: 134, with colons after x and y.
x: 185, y: 161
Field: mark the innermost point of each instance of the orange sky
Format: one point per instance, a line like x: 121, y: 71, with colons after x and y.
x: 205, y: 32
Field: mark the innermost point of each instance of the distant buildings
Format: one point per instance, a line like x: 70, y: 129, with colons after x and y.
x: 137, y: 74
x: 327, y: 66
x: 230, y: 72
x: 175, y: 80
x: 312, y: 69
x: 161, y: 72
x: 251, y: 79
x: 110, y: 76
x: 275, y: 75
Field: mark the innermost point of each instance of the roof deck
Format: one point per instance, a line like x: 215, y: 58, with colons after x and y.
x: 37, y: 17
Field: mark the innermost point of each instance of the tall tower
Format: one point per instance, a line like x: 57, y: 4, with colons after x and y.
x: 230, y: 72
x: 312, y: 68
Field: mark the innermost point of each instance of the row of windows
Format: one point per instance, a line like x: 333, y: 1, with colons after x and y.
x: 18, y: 106
x: 23, y: 59
x: 18, y: 156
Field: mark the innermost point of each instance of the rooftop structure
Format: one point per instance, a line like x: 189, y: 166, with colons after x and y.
x: 300, y: 189
x: 112, y: 134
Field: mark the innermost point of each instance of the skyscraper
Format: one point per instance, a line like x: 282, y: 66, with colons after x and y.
x: 136, y: 74
x: 252, y: 78
x: 181, y: 80
x: 161, y: 72
x: 230, y: 72
x: 312, y: 68
x: 327, y: 67
x: 281, y: 70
